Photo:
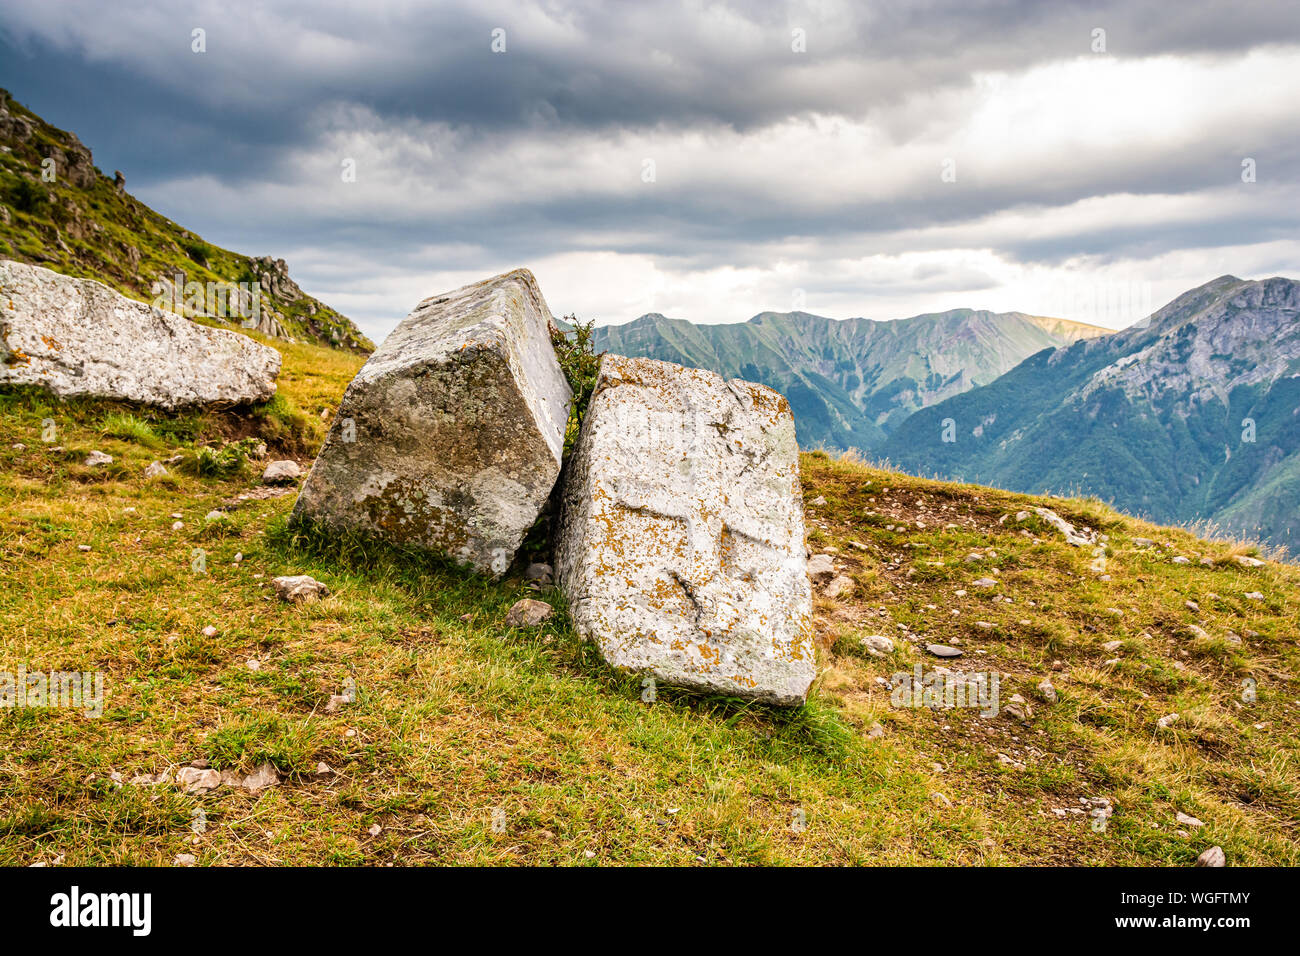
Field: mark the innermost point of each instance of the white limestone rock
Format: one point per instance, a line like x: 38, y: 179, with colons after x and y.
x: 284, y: 472
x: 450, y: 436
x: 681, y: 539
x: 79, y: 337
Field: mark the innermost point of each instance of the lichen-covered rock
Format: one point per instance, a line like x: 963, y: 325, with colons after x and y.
x: 79, y: 337
x: 681, y: 541
x: 450, y: 436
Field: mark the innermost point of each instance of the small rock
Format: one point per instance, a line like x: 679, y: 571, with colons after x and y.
x: 818, y: 502
x: 375, y: 830
x: 184, y: 859
x: 540, y: 572
x: 1167, y: 721
x: 1112, y: 646
x: 938, y: 799
x: 1212, y: 857
x: 97, y: 458
x: 299, y: 588
x: 984, y: 583
x: 1254, y: 595
x: 1017, y: 708
x: 282, y: 472
x: 214, y: 516
x: 178, y: 525
x: 943, y: 650
x: 1179, y: 559
x: 1192, y: 606
x: 821, y: 568
x: 1047, y: 691
x: 262, y: 777
x: 1187, y: 821
x: 209, y: 631
x: 1248, y: 562
x: 1198, y: 632
x: 840, y: 585
x: 877, y: 645
x: 874, y: 731
x: 323, y: 769
x: 83, y: 547
x: 1143, y: 542
x: 150, y: 779
x: 528, y: 613
x: 155, y: 470
x: 195, y: 780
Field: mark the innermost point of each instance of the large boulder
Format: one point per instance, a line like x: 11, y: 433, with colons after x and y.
x: 681, y: 538
x: 450, y: 436
x: 79, y: 337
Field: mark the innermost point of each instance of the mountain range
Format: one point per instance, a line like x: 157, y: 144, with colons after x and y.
x: 1192, y: 414
x: 851, y: 382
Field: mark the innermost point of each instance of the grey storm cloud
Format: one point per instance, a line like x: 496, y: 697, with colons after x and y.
x: 280, y: 82
x: 580, y: 65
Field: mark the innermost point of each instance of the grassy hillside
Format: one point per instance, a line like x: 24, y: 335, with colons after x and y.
x: 83, y: 225
x: 851, y: 382
x: 458, y: 716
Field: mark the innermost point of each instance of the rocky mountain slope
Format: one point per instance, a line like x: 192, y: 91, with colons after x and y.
x: 87, y: 225
x: 851, y: 382
x: 1194, y: 413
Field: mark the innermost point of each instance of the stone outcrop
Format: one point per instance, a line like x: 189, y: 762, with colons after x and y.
x: 681, y: 538
x: 79, y: 337
x: 451, y: 435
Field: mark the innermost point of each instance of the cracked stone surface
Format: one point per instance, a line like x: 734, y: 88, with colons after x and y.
x: 79, y: 337
x: 681, y: 539
x: 450, y: 436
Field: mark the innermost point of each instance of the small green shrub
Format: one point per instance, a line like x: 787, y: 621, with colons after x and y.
x: 225, y: 462
x: 580, y: 362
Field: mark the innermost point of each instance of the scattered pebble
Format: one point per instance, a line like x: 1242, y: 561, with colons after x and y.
x: 528, y: 613
x: 299, y: 588
x: 1212, y: 857
x: 943, y: 650
x: 877, y: 645
x: 281, y: 473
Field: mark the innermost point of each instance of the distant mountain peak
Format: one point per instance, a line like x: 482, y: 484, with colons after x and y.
x: 850, y: 381
x: 1188, y: 415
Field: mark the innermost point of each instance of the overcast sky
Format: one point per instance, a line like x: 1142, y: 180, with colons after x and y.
x: 708, y: 161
